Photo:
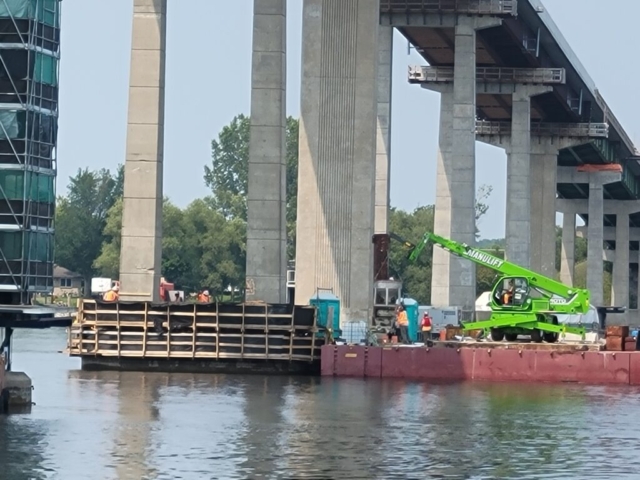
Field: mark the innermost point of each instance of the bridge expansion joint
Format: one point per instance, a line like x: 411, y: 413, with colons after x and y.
x: 503, y: 75
x: 466, y: 7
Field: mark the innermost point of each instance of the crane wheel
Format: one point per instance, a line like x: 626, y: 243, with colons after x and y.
x: 536, y: 335
x: 550, y: 337
x: 497, y: 335
x: 511, y: 337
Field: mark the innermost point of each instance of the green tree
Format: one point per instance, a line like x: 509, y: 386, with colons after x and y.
x: 200, y: 247
x: 416, y: 277
x: 227, y: 174
x: 81, y: 217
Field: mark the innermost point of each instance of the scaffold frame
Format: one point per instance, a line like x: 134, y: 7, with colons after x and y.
x: 29, y: 78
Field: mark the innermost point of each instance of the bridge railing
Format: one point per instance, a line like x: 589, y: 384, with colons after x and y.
x: 587, y: 130
x: 428, y: 74
x: 479, y: 7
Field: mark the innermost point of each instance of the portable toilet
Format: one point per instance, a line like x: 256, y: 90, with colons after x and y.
x: 411, y: 307
x: 328, y: 310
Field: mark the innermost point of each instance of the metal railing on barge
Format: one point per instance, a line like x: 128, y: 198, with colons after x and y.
x: 195, y: 331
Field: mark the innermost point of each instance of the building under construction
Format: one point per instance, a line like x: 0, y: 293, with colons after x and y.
x: 29, y: 57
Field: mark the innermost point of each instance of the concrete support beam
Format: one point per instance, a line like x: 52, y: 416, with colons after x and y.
x: 573, y: 175
x: 336, y: 178
x: 494, y: 75
x: 595, y: 244
x: 383, y: 147
x: 141, y: 251
x: 519, y: 207
x: 610, y: 233
x: 610, y: 207
x: 453, y: 279
x: 543, y: 212
x: 568, y: 250
x: 267, y: 175
x: 620, y: 281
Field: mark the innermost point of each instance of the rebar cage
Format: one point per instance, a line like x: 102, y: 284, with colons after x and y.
x: 29, y: 59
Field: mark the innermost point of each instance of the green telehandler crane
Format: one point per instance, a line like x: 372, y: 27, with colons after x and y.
x: 523, y: 302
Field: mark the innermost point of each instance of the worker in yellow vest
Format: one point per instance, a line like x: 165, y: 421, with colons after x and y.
x: 111, y: 295
x: 403, y: 324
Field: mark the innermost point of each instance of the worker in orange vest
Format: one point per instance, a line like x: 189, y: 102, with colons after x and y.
x: 507, y: 296
x: 203, y: 297
x: 426, y: 327
x: 403, y: 324
x: 111, y: 295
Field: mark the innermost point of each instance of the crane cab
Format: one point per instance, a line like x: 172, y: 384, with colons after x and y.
x: 511, y: 292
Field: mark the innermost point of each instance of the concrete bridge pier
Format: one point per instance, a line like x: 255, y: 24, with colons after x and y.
x: 453, y: 279
x: 568, y: 248
x: 383, y: 132
x: 141, y: 251
x: 337, y: 164
x: 595, y: 226
x: 621, y: 266
x: 519, y: 165
x: 267, y: 175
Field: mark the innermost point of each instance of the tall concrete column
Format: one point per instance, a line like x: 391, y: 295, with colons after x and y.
x: 568, y: 250
x: 620, y: 284
x: 336, y: 176
x: 141, y: 251
x: 383, y: 147
x: 595, y: 242
x: 519, y: 207
x: 441, y: 262
x: 454, y: 279
x: 267, y: 176
x: 543, y: 186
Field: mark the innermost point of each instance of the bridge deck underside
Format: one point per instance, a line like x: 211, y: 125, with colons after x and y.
x: 503, y: 47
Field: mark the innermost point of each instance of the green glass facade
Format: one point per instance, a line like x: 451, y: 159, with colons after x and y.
x: 30, y: 51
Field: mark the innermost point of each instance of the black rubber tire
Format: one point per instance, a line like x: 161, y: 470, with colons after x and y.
x: 550, y: 337
x: 536, y: 336
x: 511, y: 337
x: 497, y: 335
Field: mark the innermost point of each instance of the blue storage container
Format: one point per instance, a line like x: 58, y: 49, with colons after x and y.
x: 411, y: 307
x: 328, y: 311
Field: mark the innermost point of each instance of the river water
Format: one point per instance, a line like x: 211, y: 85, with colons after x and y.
x: 111, y: 425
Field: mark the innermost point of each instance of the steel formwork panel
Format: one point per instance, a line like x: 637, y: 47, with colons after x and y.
x: 29, y: 57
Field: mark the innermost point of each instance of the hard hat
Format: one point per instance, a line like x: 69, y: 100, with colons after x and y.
x: 206, y: 292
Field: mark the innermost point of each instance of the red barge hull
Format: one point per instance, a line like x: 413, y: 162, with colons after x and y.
x: 482, y: 364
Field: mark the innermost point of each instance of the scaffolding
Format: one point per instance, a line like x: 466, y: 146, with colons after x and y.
x: 29, y: 58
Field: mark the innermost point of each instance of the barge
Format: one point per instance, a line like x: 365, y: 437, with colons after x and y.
x: 186, y: 337
x: 485, y: 361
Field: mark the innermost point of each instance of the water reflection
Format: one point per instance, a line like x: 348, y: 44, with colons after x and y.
x: 163, y: 426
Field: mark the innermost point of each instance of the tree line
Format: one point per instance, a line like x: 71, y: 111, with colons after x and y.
x: 204, y: 244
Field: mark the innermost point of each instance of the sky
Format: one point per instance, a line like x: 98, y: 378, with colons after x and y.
x: 208, y: 83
